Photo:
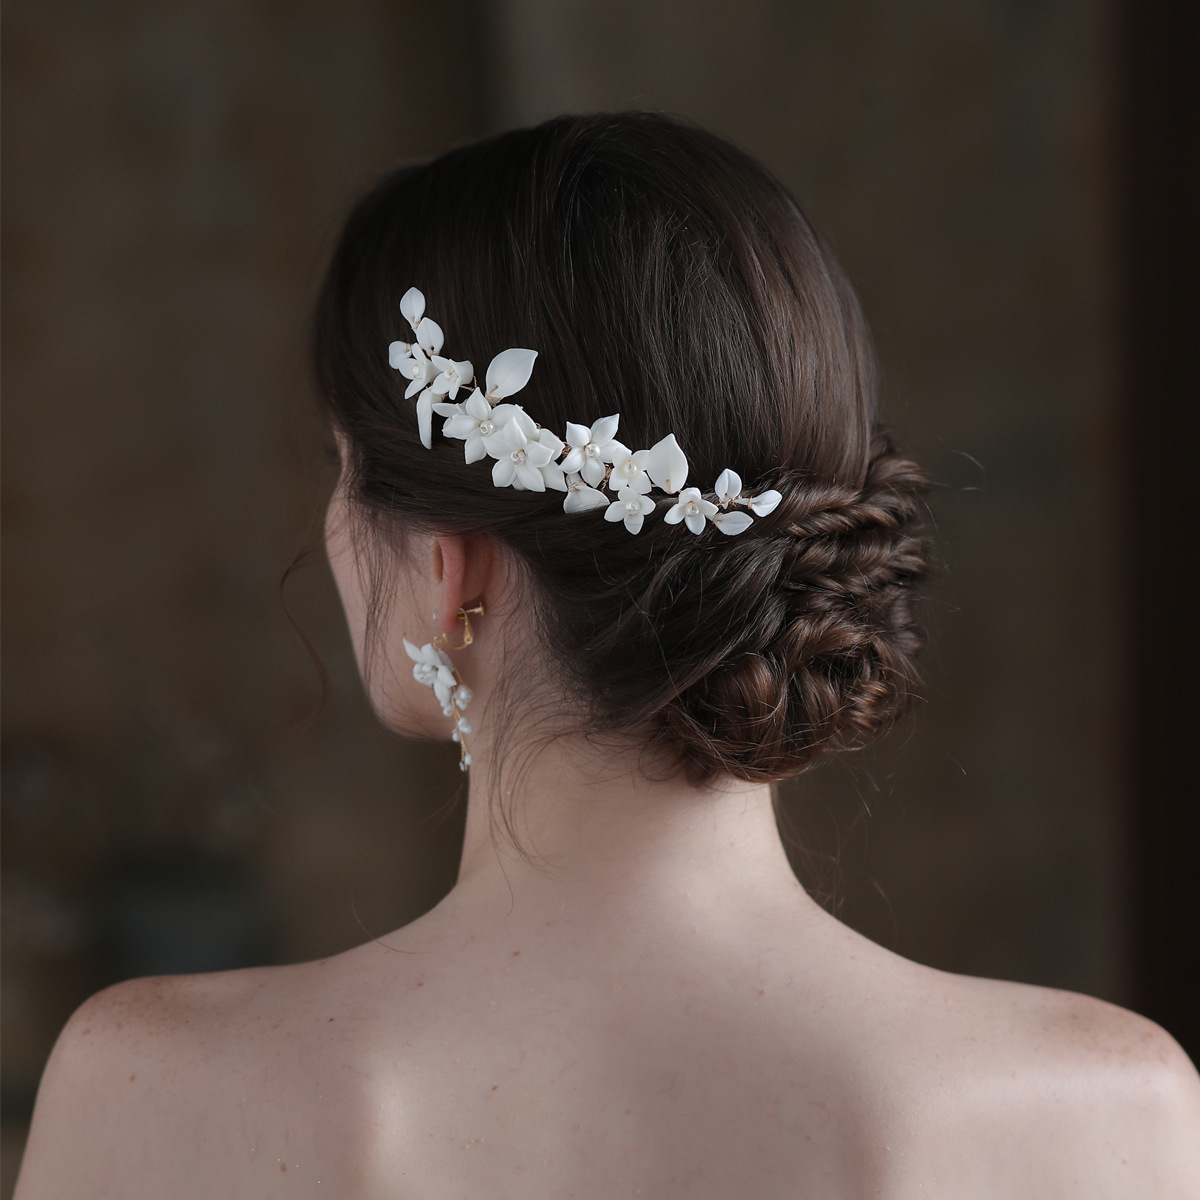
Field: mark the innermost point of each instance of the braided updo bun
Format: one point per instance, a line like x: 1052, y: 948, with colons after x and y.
x: 663, y: 274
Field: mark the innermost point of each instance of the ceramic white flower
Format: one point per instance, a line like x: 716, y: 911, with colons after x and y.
x: 580, y: 497
x: 419, y: 370
x: 630, y: 506
x: 433, y: 668
x: 453, y: 376
x: 495, y: 443
x: 692, y: 509
x: 667, y: 465
x: 520, y: 465
x: 412, y: 305
x: 473, y: 420
x: 591, y: 447
x: 508, y: 373
x: 398, y: 355
x: 629, y: 469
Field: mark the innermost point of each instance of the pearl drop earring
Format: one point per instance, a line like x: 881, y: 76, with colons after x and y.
x: 433, y: 668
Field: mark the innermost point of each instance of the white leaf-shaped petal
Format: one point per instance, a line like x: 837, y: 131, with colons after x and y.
x: 552, y: 473
x: 633, y: 522
x: 583, y: 499
x: 733, y: 522
x: 398, y: 355
x: 578, y: 435
x: 538, y: 455
x: 459, y: 425
x: 729, y: 486
x: 574, y: 460
x: 447, y: 410
x: 551, y: 440
x: 667, y: 464
x: 410, y: 649
x: 593, y: 471
x: 477, y: 406
x: 474, y: 449
x: 766, y: 502
x: 412, y: 305
x: 429, y: 334
x: 425, y: 418
x: 674, y: 514
x: 605, y: 429
x: 509, y: 372
x: 615, y: 511
x: 531, y: 477
x: 504, y: 471
x: 695, y: 522
x: 707, y: 507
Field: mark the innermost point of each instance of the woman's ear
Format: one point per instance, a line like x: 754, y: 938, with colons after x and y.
x: 463, y: 568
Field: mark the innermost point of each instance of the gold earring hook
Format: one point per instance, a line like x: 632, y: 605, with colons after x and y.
x: 442, y: 641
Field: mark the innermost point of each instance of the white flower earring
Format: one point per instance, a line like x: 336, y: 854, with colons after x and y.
x: 433, y: 668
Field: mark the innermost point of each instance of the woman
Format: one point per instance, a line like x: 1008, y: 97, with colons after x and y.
x: 655, y: 557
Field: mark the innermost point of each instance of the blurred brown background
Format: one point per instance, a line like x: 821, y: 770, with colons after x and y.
x: 996, y: 175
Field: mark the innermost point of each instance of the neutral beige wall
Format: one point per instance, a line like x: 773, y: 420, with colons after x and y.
x: 957, y: 156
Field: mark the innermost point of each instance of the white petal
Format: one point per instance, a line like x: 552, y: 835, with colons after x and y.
x: 615, y: 511
x: 707, y: 508
x: 413, y: 388
x: 440, y: 386
x: 574, y: 460
x: 592, y: 471
x: 695, y: 522
x: 689, y: 494
x: 477, y: 406
x: 674, y: 515
x: 425, y: 418
x: 633, y: 522
x: 474, y: 450
x: 582, y: 499
x: 605, y: 429
x: 504, y: 471
x: 531, y: 477
x: 729, y: 485
x: 578, y: 435
x: 552, y: 473
x: 732, y: 522
x: 412, y: 305
x: 459, y: 425
x: 552, y: 440
x: 398, y: 355
x: 509, y: 372
x: 429, y: 334
x: 449, y: 410
x: 613, y: 452
x: 440, y: 362
x: 667, y: 464
x: 409, y: 648
x: 647, y: 504
x: 766, y: 502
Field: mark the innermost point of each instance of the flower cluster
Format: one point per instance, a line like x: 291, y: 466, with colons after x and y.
x: 433, y: 668
x: 589, y: 464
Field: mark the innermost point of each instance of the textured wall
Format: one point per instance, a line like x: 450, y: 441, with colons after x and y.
x: 957, y: 155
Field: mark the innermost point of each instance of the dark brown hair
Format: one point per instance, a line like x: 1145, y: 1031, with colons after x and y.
x: 663, y: 274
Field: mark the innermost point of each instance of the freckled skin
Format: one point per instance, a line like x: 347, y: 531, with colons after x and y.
x: 649, y: 1004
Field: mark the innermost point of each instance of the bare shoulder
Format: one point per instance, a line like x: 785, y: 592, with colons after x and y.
x: 1077, y: 1096
x: 147, y: 1076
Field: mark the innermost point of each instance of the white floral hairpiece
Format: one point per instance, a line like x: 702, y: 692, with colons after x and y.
x: 528, y: 457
